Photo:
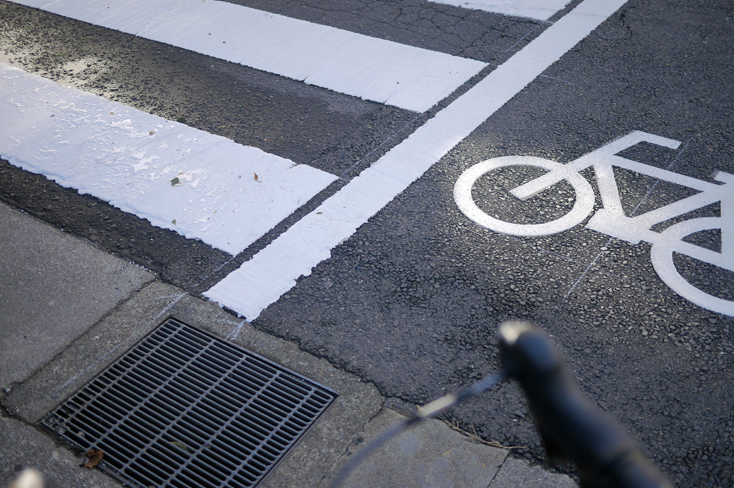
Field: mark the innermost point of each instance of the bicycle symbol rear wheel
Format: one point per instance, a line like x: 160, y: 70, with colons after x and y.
x: 582, y: 207
x: 671, y: 241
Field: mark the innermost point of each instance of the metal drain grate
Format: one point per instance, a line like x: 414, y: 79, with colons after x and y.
x: 184, y: 409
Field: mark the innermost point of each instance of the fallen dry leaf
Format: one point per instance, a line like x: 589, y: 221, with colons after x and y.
x: 256, y: 177
x: 95, y: 456
x: 151, y: 132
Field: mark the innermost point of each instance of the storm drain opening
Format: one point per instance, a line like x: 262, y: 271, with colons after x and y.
x: 185, y: 409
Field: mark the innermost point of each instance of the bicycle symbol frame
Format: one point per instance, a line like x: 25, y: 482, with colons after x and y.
x: 611, y: 220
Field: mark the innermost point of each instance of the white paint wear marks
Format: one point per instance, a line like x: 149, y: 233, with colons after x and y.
x: 612, y: 220
x: 534, y: 9
x: 373, y: 69
x: 262, y: 280
x: 200, y: 185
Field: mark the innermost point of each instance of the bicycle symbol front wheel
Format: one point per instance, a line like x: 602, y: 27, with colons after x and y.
x: 671, y: 241
x: 583, y: 205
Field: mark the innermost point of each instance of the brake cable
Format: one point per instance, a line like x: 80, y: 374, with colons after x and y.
x: 425, y: 412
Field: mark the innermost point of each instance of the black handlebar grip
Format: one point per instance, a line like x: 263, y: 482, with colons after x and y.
x: 571, y: 427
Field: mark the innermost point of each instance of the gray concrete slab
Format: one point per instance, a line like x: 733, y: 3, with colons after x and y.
x: 53, y: 287
x: 515, y: 473
x: 430, y: 454
x: 91, y: 352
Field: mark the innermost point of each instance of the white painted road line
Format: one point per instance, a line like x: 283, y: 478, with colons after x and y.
x: 200, y: 185
x: 373, y: 69
x: 534, y: 9
x: 263, y: 279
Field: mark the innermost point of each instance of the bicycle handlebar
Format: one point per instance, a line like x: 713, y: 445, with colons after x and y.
x: 571, y: 427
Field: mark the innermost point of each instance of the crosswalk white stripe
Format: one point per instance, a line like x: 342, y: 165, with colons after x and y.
x: 534, y: 9
x: 263, y: 279
x: 373, y: 69
x: 200, y: 185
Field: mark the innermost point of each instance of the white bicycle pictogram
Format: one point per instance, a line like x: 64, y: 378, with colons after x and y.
x: 611, y: 219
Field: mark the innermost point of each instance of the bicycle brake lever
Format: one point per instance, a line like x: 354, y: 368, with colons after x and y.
x: 570, y: 427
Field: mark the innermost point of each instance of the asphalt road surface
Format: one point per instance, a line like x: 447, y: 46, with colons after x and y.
x: 409, y: 298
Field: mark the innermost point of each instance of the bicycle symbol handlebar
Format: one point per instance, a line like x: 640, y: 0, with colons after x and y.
x: 611, y: 219
x: 570, y: 426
